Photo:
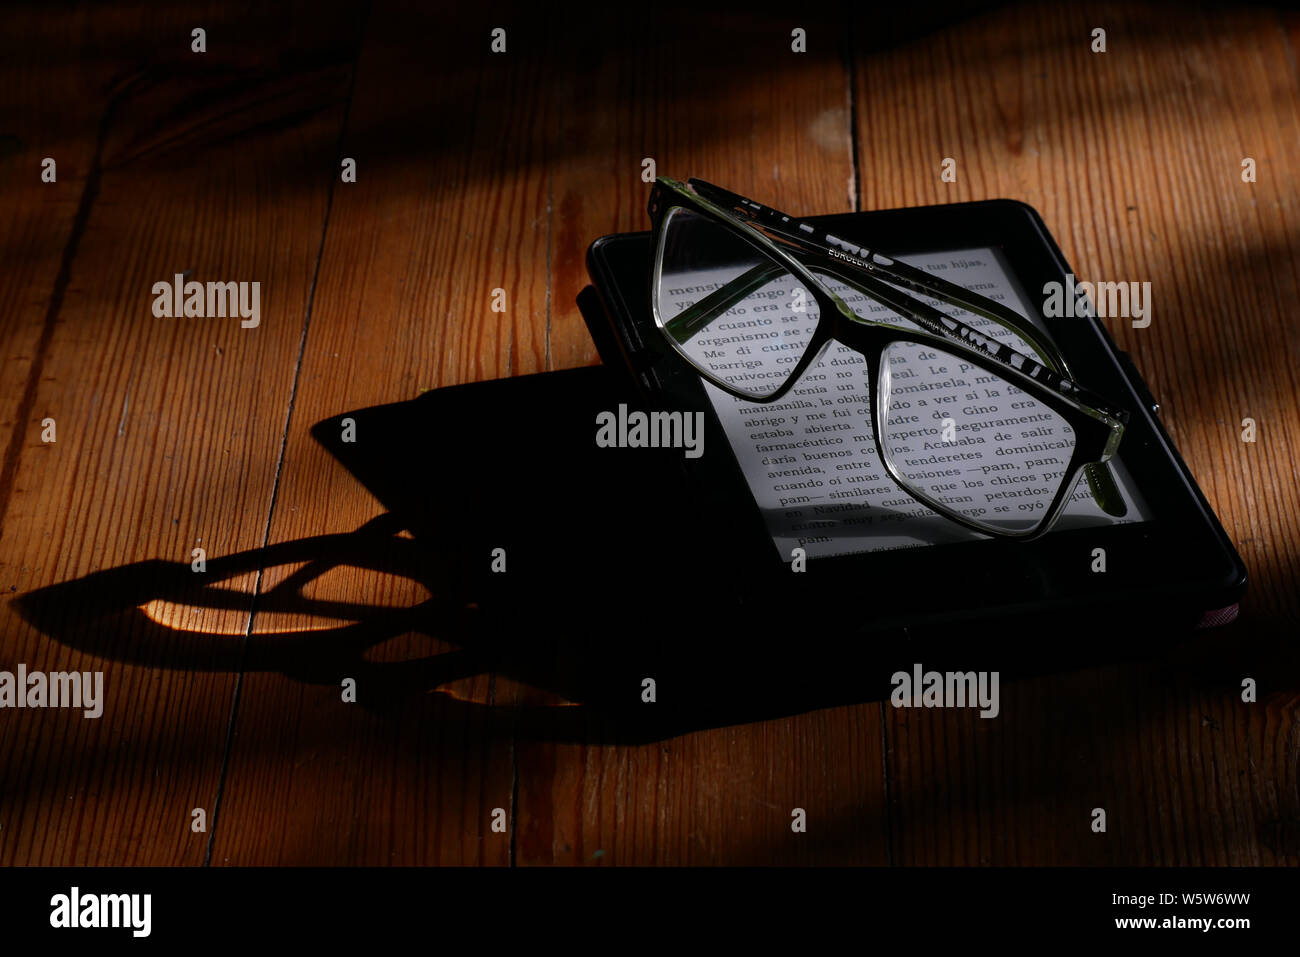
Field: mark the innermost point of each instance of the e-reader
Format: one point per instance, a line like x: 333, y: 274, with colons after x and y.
x: 772, y: 478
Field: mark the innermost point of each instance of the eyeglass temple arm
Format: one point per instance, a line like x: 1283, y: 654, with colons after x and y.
x: 815, y: 239
x: 941, y: 324
x: 690, y: 320
x: 930, y: 319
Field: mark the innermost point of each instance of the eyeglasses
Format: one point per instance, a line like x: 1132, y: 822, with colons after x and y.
x: 988, y: 436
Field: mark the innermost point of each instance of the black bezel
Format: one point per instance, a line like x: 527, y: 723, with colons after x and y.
x: 1178, y: 562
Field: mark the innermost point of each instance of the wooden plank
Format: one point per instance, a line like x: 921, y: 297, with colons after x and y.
x: 168, y: 431
x: 726, y: 100
x: 1133, y: 157
x: 495, y: 172
x: 450, y: 203
x: 54, y: 110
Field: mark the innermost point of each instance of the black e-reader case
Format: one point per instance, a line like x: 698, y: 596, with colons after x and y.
x: 587, y: 571
x: 1163, y: 577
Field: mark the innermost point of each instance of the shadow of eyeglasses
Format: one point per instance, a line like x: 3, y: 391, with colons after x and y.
x: 609, y: 580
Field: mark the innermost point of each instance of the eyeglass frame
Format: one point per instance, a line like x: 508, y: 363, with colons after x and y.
x: 1097, y: 423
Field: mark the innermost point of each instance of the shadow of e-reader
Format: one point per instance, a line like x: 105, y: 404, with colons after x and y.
x: 811, y: 532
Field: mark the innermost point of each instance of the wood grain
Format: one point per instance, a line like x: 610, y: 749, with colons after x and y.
x: 54, y: 111
x: 727, y: 101
x: 168, y: 430
x: 1133, y: 157
x: 450, y: 203
x: 479, y: 171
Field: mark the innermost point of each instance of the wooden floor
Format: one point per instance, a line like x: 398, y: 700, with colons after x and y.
x: 478, y: 171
